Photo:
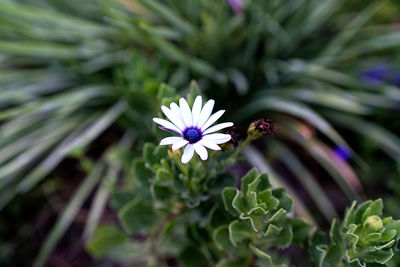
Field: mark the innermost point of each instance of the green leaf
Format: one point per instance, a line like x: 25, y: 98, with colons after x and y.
x: 259, y: 184
x: 388, y: 235
x: 240, y: 204
x: 194, y: 90
x: 166, y: 91
x: 377, y: 207
x: 395, y: 225
x: 352, y: 238
x: 264, y: 257
x: 222, y: 240
x: 251, y: 200
x: 248, y: 179
x: 163, y: 176
x: 317, y: 248
x: 160, y: 153
x: 239, y: 231
x: 333, y: 256
x: 359, y: 212
x: 373, y: 237
x: 192, y: 256
x: 335, y: 233
x: 148, y: 153
x: 228, y: 195
x: 284, y: 201
x: 273, y: 230
x: 106, y: 240
x: 301, y: 230
x: 386, y: 245
x: 387, y: 220
x: 380, y: 256
x: 277, y: 216
x: 142, y: 173
x: 137, y: 216
x: 279, y: 236
x: 266, y: 197
x: 162, y: 193
x: 349, y: 217
x: 120, y: 198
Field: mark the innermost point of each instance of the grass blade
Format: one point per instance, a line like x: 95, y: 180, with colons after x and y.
x: 69, y: 214
x: 79, y: 138
x: 306, y: 179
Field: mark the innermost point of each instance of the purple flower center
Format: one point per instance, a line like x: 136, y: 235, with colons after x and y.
x: 193, y: 135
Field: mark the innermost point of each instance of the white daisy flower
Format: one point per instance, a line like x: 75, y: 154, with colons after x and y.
x: 194, y: 129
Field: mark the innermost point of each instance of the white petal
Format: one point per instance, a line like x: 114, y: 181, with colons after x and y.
x: 170, y: 140
x: 196, y: 109
x: 185, y: 112
x: 214, y: 117
x: 209, y: 144
x: 217, y: 138
x: 205, y: 113
x: 201, y: 151
x: 175, y: 118
x: 167, y: 125
x: 176, y: 110
x: 179, y: 144
x: 187, y: 154
x: 218, y: 127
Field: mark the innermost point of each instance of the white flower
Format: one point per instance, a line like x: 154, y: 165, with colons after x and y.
x: 194, y: 129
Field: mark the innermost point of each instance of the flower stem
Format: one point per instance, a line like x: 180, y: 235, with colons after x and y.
x: 245, y: 143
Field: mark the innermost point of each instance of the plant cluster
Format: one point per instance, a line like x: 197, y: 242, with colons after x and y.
x: 198, y: 214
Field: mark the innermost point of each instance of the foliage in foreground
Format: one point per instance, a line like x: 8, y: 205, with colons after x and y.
x: 198, y: 215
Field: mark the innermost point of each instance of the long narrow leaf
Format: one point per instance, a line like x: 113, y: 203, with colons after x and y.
x: 79, y: 138
x: 306, y: 179
x: 69, y: 214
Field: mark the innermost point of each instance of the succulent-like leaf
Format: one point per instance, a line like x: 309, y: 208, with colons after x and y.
x: 239, y: 231
x: 137, y: 216
x: 228, y: 194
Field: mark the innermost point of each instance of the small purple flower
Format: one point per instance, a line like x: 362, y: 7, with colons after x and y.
x: 342, y: 152
x: 377, y: 74
x: 237, y: 6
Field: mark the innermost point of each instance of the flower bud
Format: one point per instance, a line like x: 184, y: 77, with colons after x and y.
x: 175, y: 155
x: 261, y: 127
x: 373, y: 223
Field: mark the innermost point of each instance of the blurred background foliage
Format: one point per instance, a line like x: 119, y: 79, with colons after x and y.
x: 78, y: 86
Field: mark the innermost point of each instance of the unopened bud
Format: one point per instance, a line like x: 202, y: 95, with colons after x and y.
x: 175, y: 155
x: 261, y: 127
x: 373, y: 223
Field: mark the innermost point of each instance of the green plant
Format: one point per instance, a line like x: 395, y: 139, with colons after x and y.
x: 71, y: 70
x: 363, y: 238
x: 193, y: 213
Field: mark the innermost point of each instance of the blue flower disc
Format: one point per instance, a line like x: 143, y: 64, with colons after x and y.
x: 192, y: 135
